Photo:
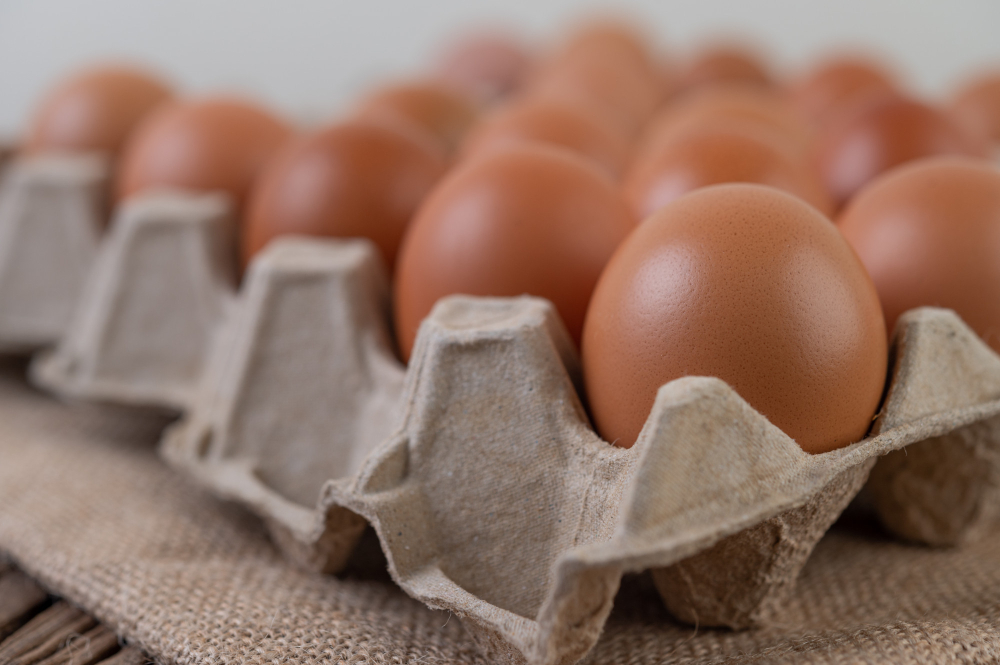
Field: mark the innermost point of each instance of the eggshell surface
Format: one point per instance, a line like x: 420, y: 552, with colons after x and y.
x: 978, y: 105
x: 885, y: 134
x: 726, y: 64
x: 442, y: 110
x: 748, y: 284
x: 487, y: 65
x: 715, y: 155
x: 555, y: 122
x: 354, y: 179
x: 929, y: 234
x: 528, y: 219
x: 728, y: 103
x: 94, y: 110
x: 837, y: 84
x: 215, y: 144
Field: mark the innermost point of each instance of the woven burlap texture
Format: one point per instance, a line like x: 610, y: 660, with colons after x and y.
x: 86, y: 507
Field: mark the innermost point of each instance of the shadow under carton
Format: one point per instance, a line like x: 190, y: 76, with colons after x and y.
x: 493, y: 497
x: 51, y: 219
x: 159, y: 288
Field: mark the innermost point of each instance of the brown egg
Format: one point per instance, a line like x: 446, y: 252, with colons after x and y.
x: 977, y: 104
x: 750, y: 285
x: 837, y: 84
x: 727, y: 64
x: 726, y: 152
x: 94, y: 110
x: 610, y: 38
x: 440, y: 109
x: 884, y: 134
x: 215, y: 144
x: 487, y: 66
x: 529, y: 218
x: 727, y: 103
x: 929, y: 234
x: 608, y: 67
x: 555, y: 122
x: 354, y: 179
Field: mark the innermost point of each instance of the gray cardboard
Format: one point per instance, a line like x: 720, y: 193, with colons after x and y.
x: 159, y: 288
x: 52, y: 212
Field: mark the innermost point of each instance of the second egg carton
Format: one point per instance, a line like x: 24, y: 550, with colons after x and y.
x: 52, y: 213
x: 494, y: 498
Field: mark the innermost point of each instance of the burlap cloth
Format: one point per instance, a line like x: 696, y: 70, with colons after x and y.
x: 88, y: 509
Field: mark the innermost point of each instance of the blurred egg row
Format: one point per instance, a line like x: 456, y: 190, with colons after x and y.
x: 707, y: 217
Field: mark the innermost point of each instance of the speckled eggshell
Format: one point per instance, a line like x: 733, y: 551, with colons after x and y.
x: 214, y: 144
x: 526, y: 219
x: 94, y: 110
x: 929, y: 234
x: 748, y: 284
x: 442, y: 110
x: 552, y: 121
x: 716, y: 154
x: 353, y: 179
x: 886, y: 133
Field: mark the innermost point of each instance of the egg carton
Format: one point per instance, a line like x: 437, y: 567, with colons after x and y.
x: 52, y: 212
x: 490, y: 492
x: 164, y: 276
x: 302, y: 384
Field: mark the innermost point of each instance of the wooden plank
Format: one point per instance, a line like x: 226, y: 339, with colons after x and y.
x: 45, y: 634
x: 127, y: 656
x: 88, y: 649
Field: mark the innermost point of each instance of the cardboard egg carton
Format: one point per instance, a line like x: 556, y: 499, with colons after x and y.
x: 52, y: 212
x: 490, y: 492
x: 163, y: 279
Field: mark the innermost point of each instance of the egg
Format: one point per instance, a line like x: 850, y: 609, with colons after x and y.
x: 838, y: 83
x: 929, y: 234
x: 728, y: 103
x: 721, y: 153
x: 94, y: 110
x: 613, y: 39
x: 726, y: 64
x: 888, y: 132
x: 748, y: 284
x: 529, y: 218
x: 553, y: 121
x: 977, y: 104
x: 213, y: 144
x: 486, y: 65
x: 353, y: 179
x: 607, y: 67
x: 442, y: 110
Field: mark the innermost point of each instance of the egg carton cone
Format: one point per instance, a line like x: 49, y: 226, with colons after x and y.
x: 302, y: 384
x: 494, y: 498
x: 156, y: 295
x: 52, y: 212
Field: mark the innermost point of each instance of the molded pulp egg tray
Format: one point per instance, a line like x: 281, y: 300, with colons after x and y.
x: 52, y: 210
x: 490, y: 492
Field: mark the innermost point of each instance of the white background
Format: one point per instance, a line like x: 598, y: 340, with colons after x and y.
x: 310, y: 57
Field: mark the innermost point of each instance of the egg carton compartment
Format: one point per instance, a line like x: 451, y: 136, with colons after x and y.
x: 494, y: 498
x: 52, y: 212
x: 302, y: 384
x: 160, y: 285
